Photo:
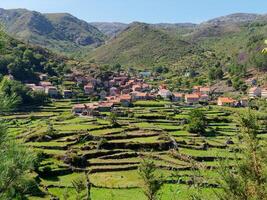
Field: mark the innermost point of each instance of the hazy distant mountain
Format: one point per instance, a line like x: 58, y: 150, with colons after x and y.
x: 235, y: 18
x: 174, y: 26
x: 61, y: 32
x: 136, y: 43
x: 110, y: 29
x: 158, y: 44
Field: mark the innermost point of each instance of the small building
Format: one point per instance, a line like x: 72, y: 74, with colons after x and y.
x: 204, y: 97
x: 165, y: 94
x: 140, y: 96
x: 225, y: 101
x: 67, y: 94
x: 177, y: 97
x: 78, y: 108
x: 43, y: 77
x: 126, y: 100
x: 103, y: 94
x: 192, y: 98
x: 264, y: 93
x: 88, y: 89
x: 45, y: 84
x: 244, y: 102
x: 196, y: 88
x: 105, y: 106
x: 113, y: 91
x: 136, y: 88
x: 51, y: 91
x: 254, y: 92
x: 38, y: 88
x: 30, y: 85
x: 204, y: 90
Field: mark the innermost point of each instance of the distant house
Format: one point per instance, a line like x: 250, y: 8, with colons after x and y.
x: 145, y: 74
x: 264, y: 93
x: 254, y: 92
x: 204, y: 97
x: 125, y: 100
x: 51, y: 91
x: 244, y: 102
x: 204, y: 90
x: 38, y: 88
x: 162, y: 86
x: 177, y: 97
x: 136, y: 88
x: 69, y: 77
x: 145, y: 87
x: 88, y: 89
x: 164, y: 93
x: 196, y: 88
x: 30, y: 85
x: 78, y: 108
x: 102, y: 94
x: 43, y: 77
x: 81, y: 79
x: 113, y: 91
x: 45, y: 84
x: 225, y: 101
x: 105, y: 106
x: 67, y: 94
x: 140, y: 96
x: 192, y: 98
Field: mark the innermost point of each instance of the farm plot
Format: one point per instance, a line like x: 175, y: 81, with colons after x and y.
x: 72, y: 146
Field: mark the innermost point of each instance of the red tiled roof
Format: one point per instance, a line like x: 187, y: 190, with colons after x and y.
x: 192, y: 96
x: 226, y: 100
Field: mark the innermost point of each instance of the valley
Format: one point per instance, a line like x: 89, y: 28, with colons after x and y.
x: 136, y: 111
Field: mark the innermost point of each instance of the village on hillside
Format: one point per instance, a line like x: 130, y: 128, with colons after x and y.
x: 121, y: 89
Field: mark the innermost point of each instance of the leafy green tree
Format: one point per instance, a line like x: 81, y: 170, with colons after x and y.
x: 259, y: 60
x: 197, y: 121
x: 113, y: 119
x: 215, y: 73
x: 247, y: 178
x: 152, y: 183
x: 83, y: 187
x: 15, y: 161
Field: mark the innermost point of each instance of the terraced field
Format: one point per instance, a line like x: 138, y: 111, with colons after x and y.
x: 153, y: 130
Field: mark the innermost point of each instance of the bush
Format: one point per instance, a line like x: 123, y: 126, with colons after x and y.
x: 197, y: 122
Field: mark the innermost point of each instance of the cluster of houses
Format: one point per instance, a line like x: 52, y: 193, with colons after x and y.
x: 48, y: 88
x: 123, y: 90
x: 256, y: 92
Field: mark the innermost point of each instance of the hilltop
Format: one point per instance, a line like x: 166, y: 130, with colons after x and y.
x: 61, y: 32
x: 142, y: 45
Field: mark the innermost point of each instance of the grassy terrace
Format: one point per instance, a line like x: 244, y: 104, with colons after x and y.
x: 113, y: 154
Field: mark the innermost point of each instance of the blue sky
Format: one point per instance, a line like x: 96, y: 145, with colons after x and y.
x: 150, y: 11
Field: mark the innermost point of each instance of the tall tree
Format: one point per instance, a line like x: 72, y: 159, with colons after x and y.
x: 247, y: 178
x: 151, y: 182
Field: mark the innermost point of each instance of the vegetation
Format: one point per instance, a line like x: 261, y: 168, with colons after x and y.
x: 152, y: 183
x: 197, y: 122
x: 247, y: 179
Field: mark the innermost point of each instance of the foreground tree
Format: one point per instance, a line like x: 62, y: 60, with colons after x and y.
x: 151, y: 182
x: 15, y: 160
x: 82, y: 187
x: 247, y: 178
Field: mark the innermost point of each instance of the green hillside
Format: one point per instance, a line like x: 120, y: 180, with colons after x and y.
x: 142, y: 45
x: 59, y: 31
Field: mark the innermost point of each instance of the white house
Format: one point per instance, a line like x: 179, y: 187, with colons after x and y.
x: 264, y: 93
x: 164, y: 93
x: 254, y: 92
